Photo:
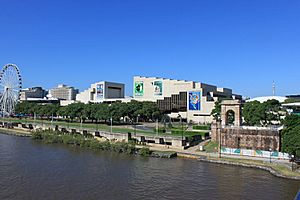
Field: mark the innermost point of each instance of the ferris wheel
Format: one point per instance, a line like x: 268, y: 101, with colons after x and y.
x: 10, y: 86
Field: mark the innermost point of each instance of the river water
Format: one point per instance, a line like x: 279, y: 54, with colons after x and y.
x: 32, y: 170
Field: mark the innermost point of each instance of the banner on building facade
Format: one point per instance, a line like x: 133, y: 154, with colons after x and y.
x: 139, y: 88
x: 157, y: 88
x: 99, y: 91
x: 194, y: 100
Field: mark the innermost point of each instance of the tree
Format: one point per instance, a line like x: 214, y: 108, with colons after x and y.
x: 216, y: 112
x: 272, y: 110
x: 133, y: 108
x: 101, y: 111
x: 253, y: 113
x: 74, y: 110
x: 266, y: 113
x: 291, y: 135
x: 86, y: 112
x: 26, y: 108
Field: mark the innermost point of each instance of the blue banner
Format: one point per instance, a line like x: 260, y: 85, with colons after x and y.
x: 194, y: 100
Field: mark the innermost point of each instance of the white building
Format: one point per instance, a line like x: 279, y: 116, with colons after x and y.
x: 63, y: 92
x: 266, y: 98
x: 102, y: 92
x: 194, y: 101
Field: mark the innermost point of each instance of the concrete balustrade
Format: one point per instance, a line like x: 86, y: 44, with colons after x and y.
x: 174, y: 142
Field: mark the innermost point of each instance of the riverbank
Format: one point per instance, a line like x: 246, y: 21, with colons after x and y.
x: 276, y: 169
x: 16, y: 132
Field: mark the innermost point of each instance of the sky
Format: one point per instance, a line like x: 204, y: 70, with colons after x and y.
x: 238, y: 44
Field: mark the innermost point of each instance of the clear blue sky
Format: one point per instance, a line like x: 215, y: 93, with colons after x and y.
x: 240, y: 44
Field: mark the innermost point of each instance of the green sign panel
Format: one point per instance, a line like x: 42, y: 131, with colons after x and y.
x: 158, y: 88
x: 139, y: 88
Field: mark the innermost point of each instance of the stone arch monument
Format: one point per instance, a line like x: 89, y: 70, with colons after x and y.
x: 237, y: 137
x: 234, y: 106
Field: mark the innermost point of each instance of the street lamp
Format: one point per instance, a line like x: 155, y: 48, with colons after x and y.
x: 34, y: 119
x: 137, y: 121
x: 52, y: 122
x: 292, y: 162
x: 111, y: 119
x: 111, y: 123
x: 270, y: 155
x: 220, y: 145
x: 81, y: 122
x: 179, y: 116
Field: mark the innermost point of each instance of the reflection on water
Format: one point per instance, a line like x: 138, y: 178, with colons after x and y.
x: 31, y: 170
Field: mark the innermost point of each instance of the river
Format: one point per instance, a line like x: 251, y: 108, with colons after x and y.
x: 33, y: 170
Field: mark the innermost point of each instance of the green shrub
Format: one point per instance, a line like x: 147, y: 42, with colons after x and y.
x: 51, y: 138
x: 94, y: 144
x: 80, y: 140
x: 106, y: 145
x: 37, y: 136
x: 85, y: 144
x: 67, y: 139
x: 144, y: 151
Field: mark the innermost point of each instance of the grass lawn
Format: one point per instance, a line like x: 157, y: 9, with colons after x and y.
x: 93, y: 126
x: 211, y: 147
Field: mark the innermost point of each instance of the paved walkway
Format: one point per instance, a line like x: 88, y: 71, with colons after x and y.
x: 196, y: 151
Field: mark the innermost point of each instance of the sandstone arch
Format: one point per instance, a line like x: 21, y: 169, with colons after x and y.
x: 231, y: 106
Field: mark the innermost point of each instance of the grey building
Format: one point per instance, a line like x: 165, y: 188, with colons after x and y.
x: 34, y: 92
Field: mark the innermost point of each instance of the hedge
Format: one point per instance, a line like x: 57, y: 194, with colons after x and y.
x: 201, y: 127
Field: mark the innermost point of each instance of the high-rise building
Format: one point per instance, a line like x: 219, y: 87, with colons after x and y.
x: 63, y: 92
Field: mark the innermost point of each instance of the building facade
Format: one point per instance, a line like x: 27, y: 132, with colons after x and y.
x: 102, y: 92
x: 34, y: 92
x: 63, y: 92
x: 190, y: 100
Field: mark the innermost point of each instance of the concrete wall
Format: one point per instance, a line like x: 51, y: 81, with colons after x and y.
x: 174, y: 142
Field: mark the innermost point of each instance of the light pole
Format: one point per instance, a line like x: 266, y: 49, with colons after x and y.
x: 220, y: 145
x: 111, y: 123
x: 111, y: 119
x: 270, y: 155
x: 292, y: 162
x: 137, y: 118
x: 181, y: 126
x: 52, y: 122
x: 137, y: 121
x: 157, y: 128
x: 34, y: 119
